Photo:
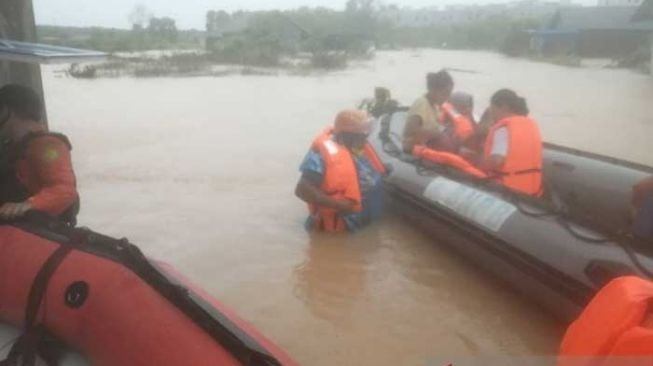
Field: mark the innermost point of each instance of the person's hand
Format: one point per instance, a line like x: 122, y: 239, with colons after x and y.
x: 345, y: 207
x: 10, y: 211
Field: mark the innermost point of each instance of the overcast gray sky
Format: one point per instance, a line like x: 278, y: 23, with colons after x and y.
x: 188, y: 13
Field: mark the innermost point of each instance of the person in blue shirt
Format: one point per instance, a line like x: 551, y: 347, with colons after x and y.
x: 342, y: 177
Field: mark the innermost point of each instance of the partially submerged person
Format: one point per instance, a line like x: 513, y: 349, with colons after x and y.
x: 381, y: 104
x: 424, y: 124
x: 642, y: 208
x: 513, y: 148
x: 36, y: 173
x: 342, y: 177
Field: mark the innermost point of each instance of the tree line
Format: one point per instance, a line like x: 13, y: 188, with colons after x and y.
x: 265, y: 37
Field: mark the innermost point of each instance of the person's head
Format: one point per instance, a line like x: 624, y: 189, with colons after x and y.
x: 439, y: 86
x: 463, y: 102
x: 20, y: 108
x: 505, y: 103
x: 351, y: 128
x: 381, y: 94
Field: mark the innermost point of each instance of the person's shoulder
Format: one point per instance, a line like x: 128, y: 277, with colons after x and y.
x: 419, y: 102
x: 48, y: 138
x: 419, y: 107
x: 312, y: 162
x: 47, y: 147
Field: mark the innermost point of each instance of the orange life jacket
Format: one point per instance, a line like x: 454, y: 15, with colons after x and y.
x: 615, y: 324
x: 448, y: 159
x: 522, y: 169
x: 463, y: 127
x: 340, y: 179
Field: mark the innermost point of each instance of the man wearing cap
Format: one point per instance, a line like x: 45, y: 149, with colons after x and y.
x: 36, y: 172
x: 342, y: 176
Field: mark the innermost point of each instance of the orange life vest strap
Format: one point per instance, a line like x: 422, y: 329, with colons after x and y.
x: 449, y: 159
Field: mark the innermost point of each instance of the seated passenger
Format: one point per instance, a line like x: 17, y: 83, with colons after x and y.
x: 642, y: 204
x: 424, y: 124
x: 381, y: 104
x: 513, y: 147
x: 342, y: 177
x: 458, y: 115
x: 36, y: 173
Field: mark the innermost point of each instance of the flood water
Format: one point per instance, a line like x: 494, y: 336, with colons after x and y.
x: 200, y: 172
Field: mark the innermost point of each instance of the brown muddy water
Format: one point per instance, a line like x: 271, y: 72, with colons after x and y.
x: 200, y: 172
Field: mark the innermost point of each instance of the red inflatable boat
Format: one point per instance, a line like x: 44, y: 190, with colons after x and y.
x: 75, y: 289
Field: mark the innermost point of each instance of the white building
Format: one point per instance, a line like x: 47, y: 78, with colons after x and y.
x: 620, y: 2
x: 461, y: 14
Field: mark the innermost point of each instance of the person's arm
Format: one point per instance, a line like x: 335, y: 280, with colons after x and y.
x: 50, y: 160
x: 309, y: 192
x: 308, y: 187
x: 499, y: 150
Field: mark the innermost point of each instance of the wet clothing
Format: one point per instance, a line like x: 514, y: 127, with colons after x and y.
x: 370, y: 182
x: 38, y: 169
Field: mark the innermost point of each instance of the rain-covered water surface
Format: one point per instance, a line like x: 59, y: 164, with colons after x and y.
x: 200, y: 172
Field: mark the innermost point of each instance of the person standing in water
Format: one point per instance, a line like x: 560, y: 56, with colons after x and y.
x: 342, y: 177
x: 513, y: 147
x: 425, y: 124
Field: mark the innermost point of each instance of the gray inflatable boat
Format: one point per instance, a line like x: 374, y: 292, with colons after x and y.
x: 558, y: 250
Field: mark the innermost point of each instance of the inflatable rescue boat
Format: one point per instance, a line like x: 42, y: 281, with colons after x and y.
x: 558, y: 249
x: 65, y: 291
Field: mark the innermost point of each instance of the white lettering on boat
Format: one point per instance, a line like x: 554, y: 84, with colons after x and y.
x: 481, y: 207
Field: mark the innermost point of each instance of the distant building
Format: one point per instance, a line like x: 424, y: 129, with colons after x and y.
x: 463, y: 14
x: 634, y: 3
x: 601, y: 31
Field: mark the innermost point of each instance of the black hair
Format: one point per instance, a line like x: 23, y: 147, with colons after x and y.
x: 438, y: 80
x: 507, y: 97
x: 22, y: 101
x: 381, y: 91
